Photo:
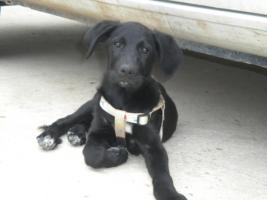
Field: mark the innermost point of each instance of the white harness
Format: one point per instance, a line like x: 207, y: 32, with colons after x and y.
x: 124, y: 121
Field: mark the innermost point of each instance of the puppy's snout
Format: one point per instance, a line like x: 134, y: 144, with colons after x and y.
x: 126, y: 70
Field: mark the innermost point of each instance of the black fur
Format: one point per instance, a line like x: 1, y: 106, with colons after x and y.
x: 132, y: 51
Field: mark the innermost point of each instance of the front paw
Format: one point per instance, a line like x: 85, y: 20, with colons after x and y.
x: 178, y: 197
x: 164, y: 191
x: 46, y: 142
x: 76, y: 135
x: 174, y: 196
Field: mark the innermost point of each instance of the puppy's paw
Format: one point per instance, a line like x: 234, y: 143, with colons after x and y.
x: 46, y: 142
x: 116, y: 156
x: 74, y: 139
x: 76, y: 135
x: 182, y: 197
x: 179, y: 197
x: 173, y: 196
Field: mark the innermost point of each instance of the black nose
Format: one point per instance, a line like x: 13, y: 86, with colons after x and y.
x: 126, y: 70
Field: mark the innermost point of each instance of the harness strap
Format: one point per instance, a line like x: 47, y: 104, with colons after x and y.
x: 123, y: 120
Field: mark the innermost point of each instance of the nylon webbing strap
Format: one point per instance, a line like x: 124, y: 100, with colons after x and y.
x: 120, y: 124
x: 123, y: 120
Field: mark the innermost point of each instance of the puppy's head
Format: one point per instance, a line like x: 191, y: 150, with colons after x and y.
x: 133, y: 50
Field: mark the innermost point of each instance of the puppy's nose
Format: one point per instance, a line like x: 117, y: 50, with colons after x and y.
x: 126, y: 70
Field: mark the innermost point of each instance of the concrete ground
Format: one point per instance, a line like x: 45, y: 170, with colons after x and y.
x: 218, y: 151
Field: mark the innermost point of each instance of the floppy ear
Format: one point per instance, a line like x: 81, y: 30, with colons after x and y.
x: 99, y: 33
x: 170, y: 55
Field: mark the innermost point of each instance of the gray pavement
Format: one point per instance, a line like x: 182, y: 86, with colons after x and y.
x: 218, y: 152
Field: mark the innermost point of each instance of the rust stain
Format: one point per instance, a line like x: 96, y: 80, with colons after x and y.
x: 150, y: 19
x: 202, y: 25
x: 61, y: 9
x: 100, y: 11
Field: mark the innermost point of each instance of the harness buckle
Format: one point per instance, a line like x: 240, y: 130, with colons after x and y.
x: 143, y: 115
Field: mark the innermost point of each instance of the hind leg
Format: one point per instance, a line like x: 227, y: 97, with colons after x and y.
x: 50, y: 137
x: 99, y: 153
x: 102, y: 148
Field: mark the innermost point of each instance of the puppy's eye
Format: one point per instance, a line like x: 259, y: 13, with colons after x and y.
x: 145, y: 50
x: 117, y: 44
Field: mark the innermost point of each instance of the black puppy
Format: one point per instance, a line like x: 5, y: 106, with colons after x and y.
x: 133, y: 50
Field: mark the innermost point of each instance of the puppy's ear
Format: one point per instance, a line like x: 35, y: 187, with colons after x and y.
x: 170, y: 55
x: 99, y: 33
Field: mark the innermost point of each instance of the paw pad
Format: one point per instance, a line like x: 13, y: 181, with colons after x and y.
x: 74, y: 139
x: 46, y: 142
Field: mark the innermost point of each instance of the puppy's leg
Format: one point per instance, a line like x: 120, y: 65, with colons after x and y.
x: 50, y: 137
x: 157, y: 164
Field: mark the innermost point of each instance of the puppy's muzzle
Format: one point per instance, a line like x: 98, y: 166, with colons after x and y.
x: 126, y: 70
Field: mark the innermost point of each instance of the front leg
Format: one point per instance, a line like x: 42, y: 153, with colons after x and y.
x: 50, y: 137
x: 157, y: 164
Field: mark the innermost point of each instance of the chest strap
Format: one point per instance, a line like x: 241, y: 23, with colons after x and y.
x: 123, y: 120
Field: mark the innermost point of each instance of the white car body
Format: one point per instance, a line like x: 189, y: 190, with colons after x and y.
x: 236, y: 26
